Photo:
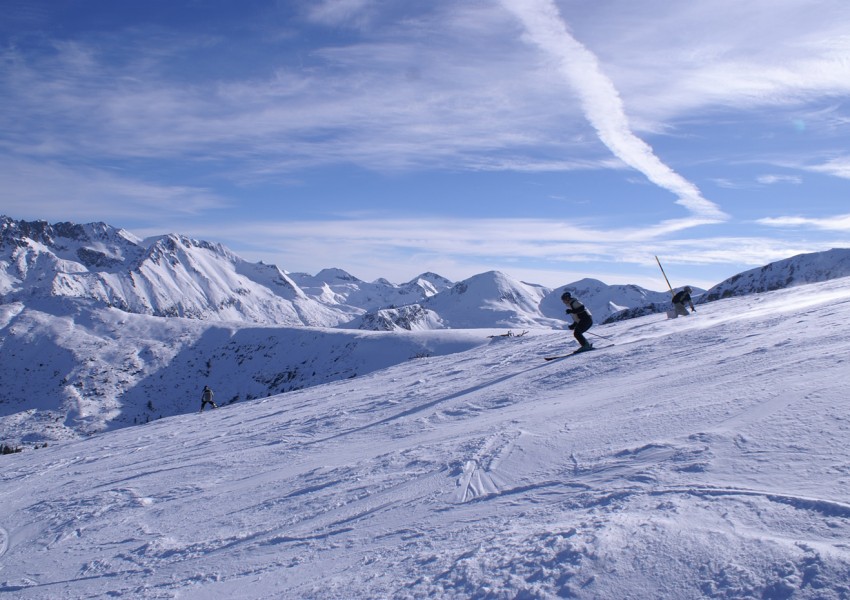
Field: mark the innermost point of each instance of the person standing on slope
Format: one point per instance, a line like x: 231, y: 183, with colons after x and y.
x: 207, y: 398
x: 680, y: 298
x: 582, y: 320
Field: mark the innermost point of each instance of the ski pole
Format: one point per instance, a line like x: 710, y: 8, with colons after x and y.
x: 597, y: 335
x: 665, y: 274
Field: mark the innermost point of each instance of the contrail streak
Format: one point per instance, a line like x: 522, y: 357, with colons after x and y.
x: 602, y: 104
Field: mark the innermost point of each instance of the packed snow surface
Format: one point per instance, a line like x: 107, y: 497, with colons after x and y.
x: 704, y: 456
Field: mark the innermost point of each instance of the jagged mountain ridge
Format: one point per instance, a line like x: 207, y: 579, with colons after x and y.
x: 176, y: 276
x: 491, y: 299
x: 340, y: 288
x: 797, y: 270
x: 173, y: 275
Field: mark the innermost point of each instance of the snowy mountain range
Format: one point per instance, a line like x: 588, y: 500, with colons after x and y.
x: 166, y: 276
x: 797, y: 270
x: 176, y: 276
x: 100, y: 330
x: 701, y: 457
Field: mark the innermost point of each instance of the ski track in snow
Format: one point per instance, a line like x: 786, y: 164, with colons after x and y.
x: 701, y: 457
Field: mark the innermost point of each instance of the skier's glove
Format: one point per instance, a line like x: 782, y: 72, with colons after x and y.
x: 571, y: 326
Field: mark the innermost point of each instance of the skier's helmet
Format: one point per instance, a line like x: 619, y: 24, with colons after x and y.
x: 688, y: 289
x: 566, y: 297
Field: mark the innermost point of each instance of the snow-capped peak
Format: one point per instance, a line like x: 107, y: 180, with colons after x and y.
x: 797, y: 270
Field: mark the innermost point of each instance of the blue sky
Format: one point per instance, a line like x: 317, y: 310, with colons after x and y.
x: 549, y: 139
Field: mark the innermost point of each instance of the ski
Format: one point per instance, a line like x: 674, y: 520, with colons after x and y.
x: 579, y: 351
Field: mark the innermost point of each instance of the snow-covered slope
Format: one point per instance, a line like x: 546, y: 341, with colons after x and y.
x: 71, y: 370
x: 702, y: 457
x: 803, y: 268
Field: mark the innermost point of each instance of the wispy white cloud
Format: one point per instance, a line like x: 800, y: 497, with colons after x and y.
x: 836, y: 223
x: 759, y: 180
x: 39, y: 189
x: 692, y: 59
x: 399, y: 249
x: 602, y: 104
x: 445, y: 86
x: 383, y: 104
x: 774, y: 179
x: 730, y: 184
x: 839, y: 167
x: 738, y: 252
x: 339, y: 12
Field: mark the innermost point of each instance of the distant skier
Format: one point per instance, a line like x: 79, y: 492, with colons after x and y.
x: 680, y: 298
x: 207, y: 398
x: 582, y: 320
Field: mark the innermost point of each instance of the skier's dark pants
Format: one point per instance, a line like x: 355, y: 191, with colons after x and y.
x: 680, y: 309
x: 583, y: 325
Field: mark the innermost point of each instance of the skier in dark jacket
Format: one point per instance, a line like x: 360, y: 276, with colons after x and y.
x: 680, y: 299
x: 207, y: 398
x: 582, y: 320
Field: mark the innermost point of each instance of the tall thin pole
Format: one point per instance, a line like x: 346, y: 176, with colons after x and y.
x: 665, y: 274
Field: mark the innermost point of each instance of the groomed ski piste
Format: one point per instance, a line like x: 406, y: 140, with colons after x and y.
x: 701, y: 457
